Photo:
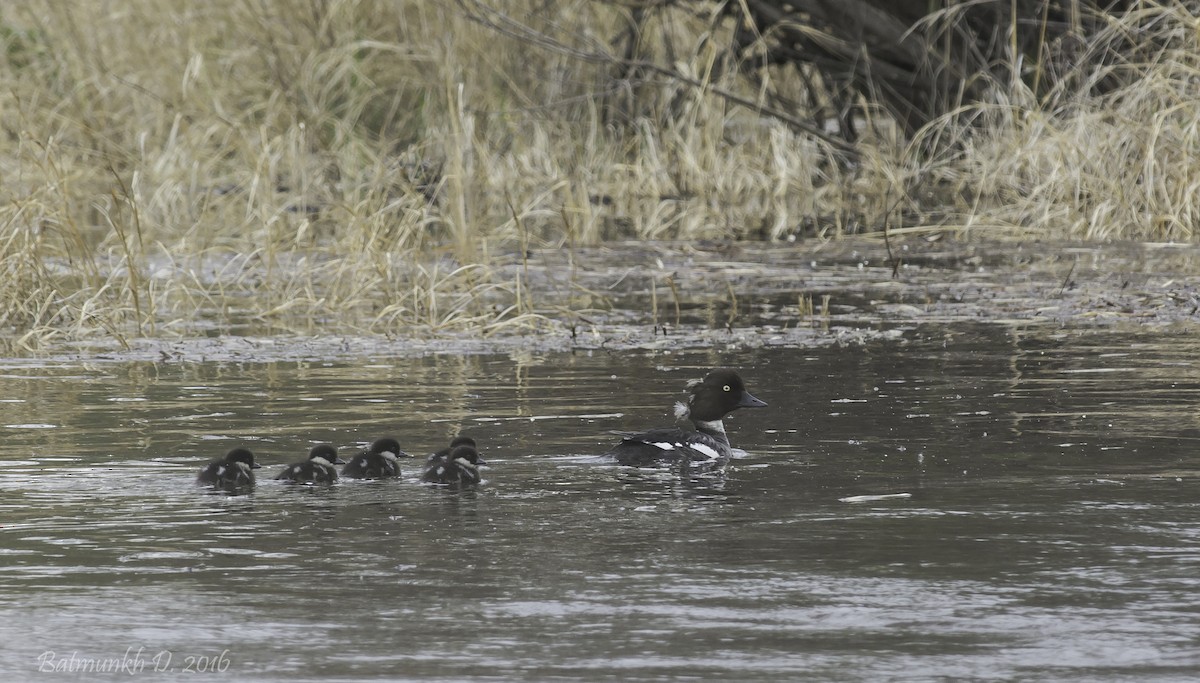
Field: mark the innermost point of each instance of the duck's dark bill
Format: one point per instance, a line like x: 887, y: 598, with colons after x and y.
x: 749, y: 401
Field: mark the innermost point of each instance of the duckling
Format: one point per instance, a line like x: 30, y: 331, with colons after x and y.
x: 458, y: 441
x: 317, y: 469
x: 456, y: 466
x: 378, y: 461
x: 234, y: 471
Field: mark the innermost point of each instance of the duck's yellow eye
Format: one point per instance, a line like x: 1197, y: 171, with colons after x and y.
x: 726, y: 387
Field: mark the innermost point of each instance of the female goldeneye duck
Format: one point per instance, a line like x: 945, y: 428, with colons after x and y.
x: 318, y: 469
x: 234, y: 471
x: 454, y: 466
x: 720, y: 392
x: 380, y: 460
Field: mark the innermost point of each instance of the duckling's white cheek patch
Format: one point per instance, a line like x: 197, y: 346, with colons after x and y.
x: 663, y: 445
x: 706, y: 450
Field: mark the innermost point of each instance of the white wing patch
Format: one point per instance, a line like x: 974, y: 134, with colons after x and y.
x: 663, y: 445
x: 710, y: 452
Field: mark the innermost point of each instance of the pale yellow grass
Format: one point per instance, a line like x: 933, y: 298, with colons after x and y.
x: 378, y: 166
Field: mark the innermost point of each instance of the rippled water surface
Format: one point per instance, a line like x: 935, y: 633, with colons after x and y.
x: 1051, y: 531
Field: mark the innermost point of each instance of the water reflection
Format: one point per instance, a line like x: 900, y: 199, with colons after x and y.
x: 1051, y: 531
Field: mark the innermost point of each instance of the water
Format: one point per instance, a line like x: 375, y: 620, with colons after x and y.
x: 1052, y: 530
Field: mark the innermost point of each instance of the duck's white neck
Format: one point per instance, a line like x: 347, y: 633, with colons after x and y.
x: 713, y: 428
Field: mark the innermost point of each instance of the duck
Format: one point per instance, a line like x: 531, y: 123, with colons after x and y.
x: 380, y: 460
x: 721, y: 392
x: 234, y: 471
x: 456, y: 466
x: 457, y: 441
x: 317, y: 469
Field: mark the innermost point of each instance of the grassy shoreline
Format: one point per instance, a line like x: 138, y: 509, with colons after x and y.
x: 368, y: 165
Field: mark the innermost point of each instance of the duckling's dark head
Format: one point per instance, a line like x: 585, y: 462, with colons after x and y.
x: 242, y: 455
x: 385, y: 445
x: 327, y: 453
x: 465, y: 452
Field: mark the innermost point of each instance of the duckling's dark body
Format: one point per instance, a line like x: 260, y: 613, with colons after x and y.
x: 380, y: 460
x: 317, y: 469
x: 456, y: 466
x: 232, y: 472
x: 718, y: 394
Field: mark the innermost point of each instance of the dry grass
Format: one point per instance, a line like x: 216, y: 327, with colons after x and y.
x: 373, y: 165
x: 1085, y: 161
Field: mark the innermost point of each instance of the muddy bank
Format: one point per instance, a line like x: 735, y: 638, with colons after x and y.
x: 638, y: 296
x: 863, y: 284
